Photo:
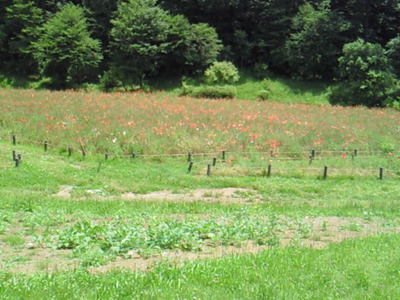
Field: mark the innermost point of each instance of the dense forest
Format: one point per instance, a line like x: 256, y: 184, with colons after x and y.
x: 122, y: 43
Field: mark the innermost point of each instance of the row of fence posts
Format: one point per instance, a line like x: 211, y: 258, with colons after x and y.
x: 46, y: 146
x: 268, y: 171
x: 18, y: 159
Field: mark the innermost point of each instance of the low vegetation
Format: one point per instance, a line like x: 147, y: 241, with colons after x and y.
x: 66, y: 220
x: 151, y: 195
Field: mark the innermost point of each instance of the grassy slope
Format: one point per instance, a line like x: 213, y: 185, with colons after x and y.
x: 40, y: 175
x: 284, y: 90
x: 281, y: 89
x: 352, y: 269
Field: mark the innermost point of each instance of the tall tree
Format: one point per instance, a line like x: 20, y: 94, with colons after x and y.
x: 271, y: 22
x: 146, y: 39
x: 21, y: 26
x: 316, y: 41
x: 373, y: 21
x: 65, y: 51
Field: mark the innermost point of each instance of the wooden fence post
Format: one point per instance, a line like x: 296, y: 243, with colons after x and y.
x: 190, y: 166
x: 269, y: 171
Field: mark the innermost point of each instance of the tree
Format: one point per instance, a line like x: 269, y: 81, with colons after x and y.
x: 21, y: 27
x: 270, y: 23
x: 315, y: 42
x: 365, y: 75
x: 373, y: 21
x: 202, y: 47
x: 393, y: 53
x: 140, y: 38
x: 65, y: 51
x: 146, y: 39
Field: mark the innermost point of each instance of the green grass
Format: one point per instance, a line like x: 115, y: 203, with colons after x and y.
x: 367, y: 268
x: 96, y: 231
x: 283, y: 90
x: 13, y: 240
x: 39, y: 176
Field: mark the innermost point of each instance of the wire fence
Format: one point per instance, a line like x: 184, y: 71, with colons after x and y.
x: 266, y: 160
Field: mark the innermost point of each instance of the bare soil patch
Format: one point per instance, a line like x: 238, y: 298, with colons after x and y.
x: 223, y: 195
x: 64, y: 191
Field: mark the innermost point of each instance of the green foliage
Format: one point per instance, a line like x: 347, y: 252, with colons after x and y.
x: 21, y: 28
x: 65, y: 51
x: 141, y: 39
x: 146, y: 39
x: 393, y: 54
x: 142, y: 36
x: 265, y: 93
x: 260, y: 71
x: 223, y: 72
x: 202, y: 47
x: 118, y: 237
x: 365, y: 75
x: 373, y: 21
x: 315, y: 42
x: 213, y: 91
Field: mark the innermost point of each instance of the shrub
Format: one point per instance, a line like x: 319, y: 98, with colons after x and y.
x: 213, y: 92
x: 223, y: 72
x: 365, y: 75
x: 263, y: 95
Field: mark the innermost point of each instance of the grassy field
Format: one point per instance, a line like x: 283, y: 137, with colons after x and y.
x: 74, y: 227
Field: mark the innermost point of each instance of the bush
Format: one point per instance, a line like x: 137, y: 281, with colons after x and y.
x: 365, y: 75
x: 263, y: 95
x: 110, y: 80
x: 214, y: 92
x: 223, y: 72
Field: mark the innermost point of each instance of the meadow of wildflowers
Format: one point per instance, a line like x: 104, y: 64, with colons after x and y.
x: 155, y: 123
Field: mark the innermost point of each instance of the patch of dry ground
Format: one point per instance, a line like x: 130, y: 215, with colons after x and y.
x: 29, y: 258
x: 224, y: 195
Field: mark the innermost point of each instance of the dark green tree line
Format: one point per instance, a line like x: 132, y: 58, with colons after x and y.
x: 124, y: 42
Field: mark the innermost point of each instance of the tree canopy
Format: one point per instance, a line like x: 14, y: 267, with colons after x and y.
x: 124, y: 42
